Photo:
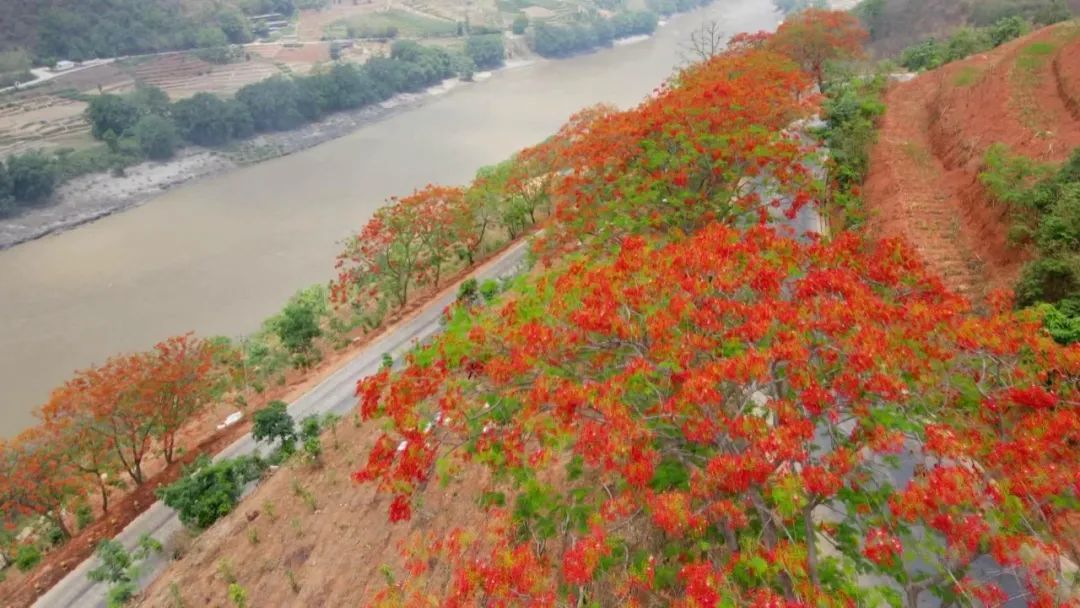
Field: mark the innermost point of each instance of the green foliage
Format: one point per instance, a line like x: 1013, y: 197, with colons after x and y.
x: 209, y: 491
x: 237, y: 595
x: 84, y: 516
x: 964, y: 42
x: 1010, y: 178
x: 208, y: 120
x: 1062, y: 320
x: 872, y: 14
x: 520, y: 23
x: 32, y: 177
x: 1045, y: 205
x: 156, y: 136
x: 853, y: 108
x: 73, y: 163
x: 794, y: 6
x: 486, y: 51
x: 634, y: 23
x: 278, y: 103
x: 27, y: 557
x: 310, y: 428
x: 1008, y: 28
x: 120, y: 568
x: 273, y: 423
x: 111, y: 114
x: 234, y: 25
x: 297, y: 326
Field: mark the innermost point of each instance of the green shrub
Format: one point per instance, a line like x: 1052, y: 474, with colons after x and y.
x: 84, y: 516
x: 156, y: 136
x: 1009, y: 177
x: 120, y: 568
x: 310, y: 428
x: 27, y: 557
x: 1062, y: 320
x: 33, y: 177
x: 1049, y: 280
x: 209, y: 491
x: 521, y: 22
x: 486, y: 51
x: 273, y: 423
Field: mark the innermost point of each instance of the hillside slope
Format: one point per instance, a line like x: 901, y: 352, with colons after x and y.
x: 897, y: 24
x: 923, y: 180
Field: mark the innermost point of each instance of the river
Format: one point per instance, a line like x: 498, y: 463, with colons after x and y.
x: 219, y: 255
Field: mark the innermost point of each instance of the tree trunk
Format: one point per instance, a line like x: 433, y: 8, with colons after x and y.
x: 169, y: 441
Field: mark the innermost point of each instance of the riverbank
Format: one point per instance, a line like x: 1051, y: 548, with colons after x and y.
x: 95, y: 196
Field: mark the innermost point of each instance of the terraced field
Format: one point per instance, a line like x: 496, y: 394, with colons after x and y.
x: 924, y: 182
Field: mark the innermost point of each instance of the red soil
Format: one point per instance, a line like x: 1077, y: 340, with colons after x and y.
x: 923, y: 181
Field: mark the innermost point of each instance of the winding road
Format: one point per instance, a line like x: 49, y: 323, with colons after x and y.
x: 336, y: 394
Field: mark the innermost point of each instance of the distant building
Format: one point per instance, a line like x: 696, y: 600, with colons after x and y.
x: 63, y: 65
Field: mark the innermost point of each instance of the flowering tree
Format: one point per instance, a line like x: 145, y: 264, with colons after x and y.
x: 815, y: 36
x: 183, y: 374
x: 68, y: 418
x: 730, y: 419
x: 697, y: 409
x: 407, y: 242
x: 36, y: 478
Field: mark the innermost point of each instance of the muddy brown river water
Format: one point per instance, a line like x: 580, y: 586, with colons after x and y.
x: 218, y: 256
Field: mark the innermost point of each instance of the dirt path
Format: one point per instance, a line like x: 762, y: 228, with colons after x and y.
x: 924, y: 177
x: 906, y: 193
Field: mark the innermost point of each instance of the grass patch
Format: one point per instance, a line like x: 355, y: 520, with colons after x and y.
x: 967, y: 76
x: 406, y: 24
x: 515, y: 6
x: 1026, y: 75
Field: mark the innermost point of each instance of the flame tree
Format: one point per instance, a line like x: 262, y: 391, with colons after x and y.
x: 692, y: 407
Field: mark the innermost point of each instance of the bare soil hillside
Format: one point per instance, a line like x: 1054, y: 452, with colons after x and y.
x: 327, y: 550
x: 923, y: 181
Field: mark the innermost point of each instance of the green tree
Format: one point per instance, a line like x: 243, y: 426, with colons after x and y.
x: 278, y: 104
x: 203, y: 119
x: 213, y: 44
x: 487, y: 51
x: 156, y: 136
x: 1008, y: 28
x: 7, y: 199
x: 521, y: 22
x: 234, y: 25
x: 111, y: 113
x: 297, y: 327
x: 32, y: 176
x: 209, y: 491
x: 150, y: 100
x: 273, y: 423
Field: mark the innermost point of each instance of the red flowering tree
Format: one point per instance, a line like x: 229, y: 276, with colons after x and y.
x: 183, y: 375
x: 407, y: 242
x: 697, y: 409
x: 730, y: 418
x: 68, y: 418
x: 815, y: 36
x: 37, y: 479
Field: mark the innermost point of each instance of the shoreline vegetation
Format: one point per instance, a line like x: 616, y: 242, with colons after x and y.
x: 152, y: 145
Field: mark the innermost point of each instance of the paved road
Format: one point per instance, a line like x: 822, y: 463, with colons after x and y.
x: 335, y: 394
